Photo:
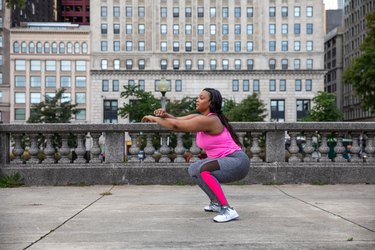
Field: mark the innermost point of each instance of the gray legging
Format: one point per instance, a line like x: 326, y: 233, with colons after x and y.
x: 226, y: 169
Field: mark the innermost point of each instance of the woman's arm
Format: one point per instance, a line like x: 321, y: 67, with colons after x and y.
x: 163, y: 114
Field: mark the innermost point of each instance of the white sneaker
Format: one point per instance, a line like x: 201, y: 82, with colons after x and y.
x: 226, y: 214
x: 212, y: 207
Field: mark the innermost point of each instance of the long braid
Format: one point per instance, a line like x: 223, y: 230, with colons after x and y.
x: 215, y: 107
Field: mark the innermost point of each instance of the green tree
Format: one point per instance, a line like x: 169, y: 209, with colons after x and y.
x: 324, y: 109
x: 182, y: 107
x: 18, y: 3
x: 361, y: 73
x: 250, y: 109
x: 141, y: 103
x: 52, y: 110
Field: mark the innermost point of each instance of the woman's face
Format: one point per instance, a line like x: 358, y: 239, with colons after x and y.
x: 202, y: 104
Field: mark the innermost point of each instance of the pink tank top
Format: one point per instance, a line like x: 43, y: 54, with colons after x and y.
x: 217, y: 146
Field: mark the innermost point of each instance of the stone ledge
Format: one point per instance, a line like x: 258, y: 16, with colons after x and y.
x: 176, y: 174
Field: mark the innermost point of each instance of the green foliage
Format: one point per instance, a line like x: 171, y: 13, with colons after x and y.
x: 11, y: 181
x: 183, y: 107
x: 141, y: 103
x: 251, y: 109
x: 361, y: 73
x: 18, y: 3
x: 52, y: 110
x: 324, y: 109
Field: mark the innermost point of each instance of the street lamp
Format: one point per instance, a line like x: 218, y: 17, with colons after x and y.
x: 163, y: 86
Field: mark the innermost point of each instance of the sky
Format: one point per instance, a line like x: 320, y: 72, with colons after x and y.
x: 330, y: 4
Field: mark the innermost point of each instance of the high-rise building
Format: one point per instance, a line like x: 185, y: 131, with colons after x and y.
x: 355, y: 13
x: 77, y: 11
x: 273, y: 48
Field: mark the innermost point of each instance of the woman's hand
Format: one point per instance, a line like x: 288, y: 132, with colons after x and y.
x: 161, y: 113
x: 148, y: 118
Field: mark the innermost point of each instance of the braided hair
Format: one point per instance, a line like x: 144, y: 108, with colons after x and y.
x: 215, y: 107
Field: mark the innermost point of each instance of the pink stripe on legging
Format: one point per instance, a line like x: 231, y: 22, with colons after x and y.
x: 214, y: 185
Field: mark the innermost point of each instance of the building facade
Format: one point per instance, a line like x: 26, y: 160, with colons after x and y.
x: 355, y: 13
x: 273, y: 48
x: 45, y: 57
x: 77, y: 11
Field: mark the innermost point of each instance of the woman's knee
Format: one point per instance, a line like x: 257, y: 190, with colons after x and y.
x: 194, y: 170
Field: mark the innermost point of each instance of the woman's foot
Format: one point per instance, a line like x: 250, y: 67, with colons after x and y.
x: 226, y: 214
x: 213, y: 207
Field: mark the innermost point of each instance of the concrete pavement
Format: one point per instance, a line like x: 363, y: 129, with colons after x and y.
x: 172, y: 217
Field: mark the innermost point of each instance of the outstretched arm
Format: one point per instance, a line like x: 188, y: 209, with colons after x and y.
x: 163, y: 114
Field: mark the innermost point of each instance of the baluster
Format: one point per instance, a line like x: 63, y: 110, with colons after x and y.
x: 179, y: 149
x: 49, y: 150
x: 81, y: 149
x: 134, y: 149
x: 255, y: 149
x: 308, y: 149
x: 34, y: 149
x: 149, y: 149
x: 293, y: 148
x: 64, y: 150
x: 370, y: 149
x: 241, y: 136
x: 164, y: 149
x: 355, y: 149
x: 194, y: 149
x: 324, y: 149
x: 339, y: 149
x: 17, y: 150
x: 95, y: 149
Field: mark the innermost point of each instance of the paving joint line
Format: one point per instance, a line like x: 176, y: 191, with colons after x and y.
x: 70, y: 218
x: 324, y: 210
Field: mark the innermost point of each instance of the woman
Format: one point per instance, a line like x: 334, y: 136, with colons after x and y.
x: 226, y: 161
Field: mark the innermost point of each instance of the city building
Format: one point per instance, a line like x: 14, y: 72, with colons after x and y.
x: 273, y: 48
x: 45, y: 57
x: 333, y: 19
x: 76, y: 11
x: 355, y: 13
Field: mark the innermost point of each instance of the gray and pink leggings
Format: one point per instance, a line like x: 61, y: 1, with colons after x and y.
x: 209, y: 173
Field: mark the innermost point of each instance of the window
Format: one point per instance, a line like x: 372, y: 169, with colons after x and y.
x: 163, y: 29
x: 65, y: 81
x: 272, y: 11
x: 297, y: 64
x: 1, y: 79
x: 188, y: 29
x: 249, y: 12
x: 16, y: 47
x: 200, y: 12
x: 176, y: 64
x: 31, y: 46
x: 129, y: 64
x: 163, y: 64
x: 284, y: 64
x: 272, y: 63
x: 176, y: 12
x: 225, y: 12
x: 35, y: 81
x: 141, y: 46
x: 50, y: 81
x: 188, y: 64
x: 213, y: 29
x: 200, y: 64
x: 188, y: 46
x: 303, y: 108
x: 20, y: 97
x: 249, y: 46
x: 284, y: 28
x: 297, y: 28
x: 256, y: 86
x: 212, y: 46
x: 141, y: 64
x: 116, y: 11
x: 297, y: 11
x: 23, y: 47
x: 39, y: 47
x: 309, y: 28
x: 20, y: 114
x: 272, y: 29
x: 35, y: 98
x: 297, y: 45
x: 249, y: 29
x: 237, y: 46
x: 237, y: 64
x: 69, y: 48
x: 81, y: 114
x: 141, y: 29
x: 20, y: 81
x: 35, y: 65
x: 50, y: 65
x: 129, y: 11
x: 284, y: 45
x: 178, y: 85
x: 46, y: 48
x: 104, y: 64
x: 282, y: 85
x: 298, y: 85
x: 116, y: 28
x: 141, y: 11
x: 278, y: 110
x: 116, y: 46
x: 129, y: 29
x: 308, y: 86
x: 225, y: 46
x: 272, y: 45
x: 129, y: 46
x: 187, y: 12
x: 200, y: 46
x: 80, y: 65
x: 309, y: 11
x: 225, y: 64
x: 200, y: 29
x: 163, y: 11
x: 20, y: 65
x: 250, y: 64
x: 237, y: 29
x: 309, y: 46
x: 103, y: 11
x: 235, y: 85
x: 105, y: 85
x: 110, y: 111
x: 284, y: 11
x: 212, y: 12
x: 61, y: 48
x: 309, y: 64
x: 272, y: 85
x: 245, y: 86
x: 80, y: 98
x: 237, y: 12
x: 104, y: 46
x: 80, y: 81
x: 213, y: 64
x: 54, y: 48
x: 163, y: 46
x: 65, y: 65
x: 176, y: 29
x: 141, y: 84
x: 225, y: 29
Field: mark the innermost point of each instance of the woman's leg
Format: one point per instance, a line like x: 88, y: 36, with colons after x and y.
x: 194, y: 172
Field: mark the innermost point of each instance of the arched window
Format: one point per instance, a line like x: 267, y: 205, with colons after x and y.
x: 77, y: 48
x: 31, y: 47
x: 69, y: 48
x: 54, y: 47
x: 47, y: 48
x: 39, y: 47
x: 62, y: 48
x: 84, y: 48
x: 23, y: 47
x: 16, y: 47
